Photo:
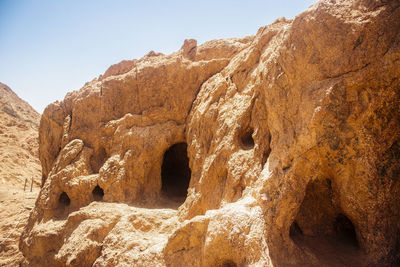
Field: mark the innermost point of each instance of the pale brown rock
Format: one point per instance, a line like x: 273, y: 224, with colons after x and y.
x: 19, y: 168
x: 292, y: 139
x: 19, y: 124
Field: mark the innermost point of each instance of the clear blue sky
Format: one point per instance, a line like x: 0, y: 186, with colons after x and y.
x: 48, y: 48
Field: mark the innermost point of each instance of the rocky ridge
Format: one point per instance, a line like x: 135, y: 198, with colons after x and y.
x: 19, y: 161
x: 19, y: 127
x: 279, y: 149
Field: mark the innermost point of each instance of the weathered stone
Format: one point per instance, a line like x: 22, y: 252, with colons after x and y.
x: 19, y: 124
x: 292, y: 142
x: 20, y: 172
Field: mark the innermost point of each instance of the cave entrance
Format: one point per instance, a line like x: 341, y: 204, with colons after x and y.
x: 345, y: 231
x: 98, y: 193
x: 246, y: 139
x: 64, y: 200
x: 175, y: 173
x: 229, y: 263
x: 321, y: 227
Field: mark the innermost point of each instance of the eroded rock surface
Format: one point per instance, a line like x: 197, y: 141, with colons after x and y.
x: 19, y: 126
x: 19, y: 163
x: 289, y: 139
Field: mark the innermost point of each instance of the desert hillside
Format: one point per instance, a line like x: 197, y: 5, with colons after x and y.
x: 278, y: 149
x: 19, y: 161
x: 19, y: 146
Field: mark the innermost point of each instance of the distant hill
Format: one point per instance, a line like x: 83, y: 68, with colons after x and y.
x: 19, y: 124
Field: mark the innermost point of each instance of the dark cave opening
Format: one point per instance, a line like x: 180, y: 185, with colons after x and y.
x: 175, y: 172
x: 246, y: 139
x: 322, y: 228
x: 229, y: 264
x: 64, y: 200
x: 98, y: 193
x: 295, y: 230
x: 345, y: 231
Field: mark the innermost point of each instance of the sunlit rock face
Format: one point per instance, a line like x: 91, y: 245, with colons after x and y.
x: 19, y: 124
x: 20, y: 171
x: 279, y: 149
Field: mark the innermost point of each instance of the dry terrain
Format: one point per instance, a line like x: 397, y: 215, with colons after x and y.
x: 278, y: 149
x: 19, y: 161
x: 19, y: 157
x: 15, y: 206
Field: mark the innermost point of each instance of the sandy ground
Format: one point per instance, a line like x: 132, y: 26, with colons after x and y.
x: 15, y: 206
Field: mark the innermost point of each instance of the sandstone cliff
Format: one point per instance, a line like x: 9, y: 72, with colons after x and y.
x: 279, y: 149
x: 19, y: 161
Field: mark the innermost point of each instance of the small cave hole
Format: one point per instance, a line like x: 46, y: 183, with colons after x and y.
x: 175, y: 172
x: 345, y: 230
x: 246, y: 139
x: 229, y: 264
x: 64, y: 200
x: 321, y: 227
x: 98, y: 193
x: 295, y: 230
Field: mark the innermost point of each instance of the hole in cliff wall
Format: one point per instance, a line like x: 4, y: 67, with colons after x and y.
x: 246, y: 139
x: 175, y: 172
x: 345, y: 231
x: 295, y: 230
x: 317, y: 212
x: 322, y: 228
x: 63, y: 200
x: 229, y: 264
x: 98, y: 193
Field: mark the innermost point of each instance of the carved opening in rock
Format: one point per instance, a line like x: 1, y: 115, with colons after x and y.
x: 321, y: 227
x: 98, y: 193
x: 229, y: 264
x: 175, y: 172
x: 344, y: 230
x: 63, y: 200
x: 246, y: 139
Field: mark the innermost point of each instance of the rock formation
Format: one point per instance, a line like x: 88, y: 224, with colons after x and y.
x: 286, y: 142
x: 19, y: 161
x: 19, y: 125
